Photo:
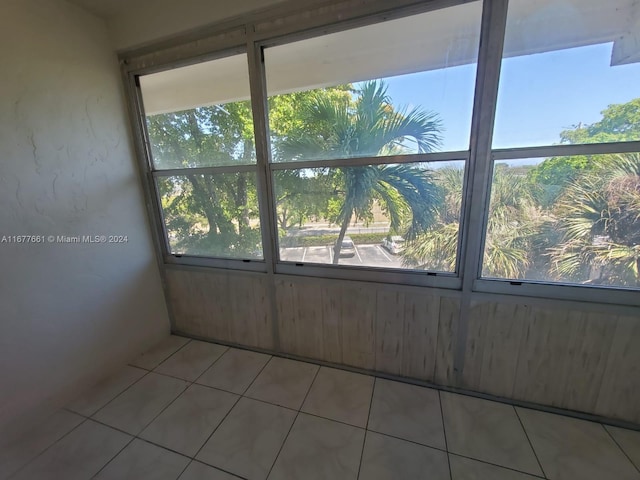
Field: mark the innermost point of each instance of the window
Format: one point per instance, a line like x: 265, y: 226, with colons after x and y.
x: 313, y: 207
x: 569, y: 85
x: 200, y: 131
x: 370, y: 135
x: 375, y: 147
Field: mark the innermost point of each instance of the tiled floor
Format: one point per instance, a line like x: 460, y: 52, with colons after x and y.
x: 198, y: 411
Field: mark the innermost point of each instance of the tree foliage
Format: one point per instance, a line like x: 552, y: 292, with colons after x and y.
x: 207, y: 214
x: 368, y: 125
x: 600, y: 214
x: 571, y: 218
x: 619, y: 123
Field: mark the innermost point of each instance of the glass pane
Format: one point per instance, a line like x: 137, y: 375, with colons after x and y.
x: 200, y: 115
x: 404, y: 216
x: 566, y: 219
x: 569, y: 74
x: 397, y: 87
x: 212, y: 215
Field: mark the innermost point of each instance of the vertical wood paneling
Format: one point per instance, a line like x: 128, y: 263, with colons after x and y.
x: 421, y: 318
x: 285, y: 311
x: 619, y: 395
x: 332, y: 323
x: 216, y: 287
x: 308, y: 309
x: 221, y: 306
x: 593, y: 335
x: 543, y: 357
x: 243, y: 328
x: 476, y: 339
x: 358, y: 325
x: 389, y: 331
x: 502, y: 346
x: 447, y: 335
x: 263, y: 315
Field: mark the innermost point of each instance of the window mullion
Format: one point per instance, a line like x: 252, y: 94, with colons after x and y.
x: 257, y: 85
x: 478, y: 176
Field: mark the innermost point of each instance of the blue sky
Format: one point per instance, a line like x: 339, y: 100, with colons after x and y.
x: 540, y: 95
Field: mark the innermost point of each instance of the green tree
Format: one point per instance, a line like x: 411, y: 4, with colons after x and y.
x: 368, y: 125
x: 600, y: 214
x: 619, y: 123
x: 298, y: 195
x: 207, y: 213
x: 512, y: 222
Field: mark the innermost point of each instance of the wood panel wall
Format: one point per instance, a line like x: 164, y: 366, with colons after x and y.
x: 221, y: 305
x: 370, y: 326
x: 571, y: 358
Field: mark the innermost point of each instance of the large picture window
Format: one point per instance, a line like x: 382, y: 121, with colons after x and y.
x: 488, y: 146
x: 370, y: 133
x: 569, y: 210
x: 200, y: 129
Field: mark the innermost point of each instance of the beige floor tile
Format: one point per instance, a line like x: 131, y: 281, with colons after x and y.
x: 487, y: 431
x: 21, y: 450
x: 629, y: 441
x: 235, y: 370
x: 105, y: 391
x: 78, y: 456
x: 135, y: 408
x: 141, y: 460
x: 200, y: 471
x: 191, y: 360
x: 160, y: 352
x: 467, y: 469
x: 569, y: 448
x: 318, y: 449
x: 248, y: 440
x: 388, y: 458
x: 189, y: 421
x: 283, y: 382
x: 407, y: 411
x: 340, y: 395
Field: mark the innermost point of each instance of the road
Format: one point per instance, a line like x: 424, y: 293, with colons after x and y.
x: 366, y: 255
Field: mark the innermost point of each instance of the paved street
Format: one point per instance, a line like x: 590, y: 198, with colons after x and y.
x: 366, y: 255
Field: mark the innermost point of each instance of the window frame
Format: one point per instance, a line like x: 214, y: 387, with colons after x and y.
x: 261, y: 31
x: 521, y: 287
x: 425, y: 278
x: 370, y: 273
x: 153, y: 173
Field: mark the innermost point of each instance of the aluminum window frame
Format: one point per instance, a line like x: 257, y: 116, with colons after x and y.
x: 425, y: 278
x: 521, y: 287
x: 262, y: 31
x: 547, y: 289
x: 152, y: 173
x: 372, y: 273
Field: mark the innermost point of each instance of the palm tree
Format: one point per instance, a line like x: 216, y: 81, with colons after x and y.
x: 600, y: 223
x: 370, y: 126
x: 436, y: 248
x: 512, y: 225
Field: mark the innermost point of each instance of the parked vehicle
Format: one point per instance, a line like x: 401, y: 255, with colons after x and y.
x: 348, y: 248
x: 395, y: 244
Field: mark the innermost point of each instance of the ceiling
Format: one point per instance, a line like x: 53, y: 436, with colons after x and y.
x: 104, y: 8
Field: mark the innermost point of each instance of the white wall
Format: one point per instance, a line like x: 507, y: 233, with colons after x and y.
x: 69, y: 312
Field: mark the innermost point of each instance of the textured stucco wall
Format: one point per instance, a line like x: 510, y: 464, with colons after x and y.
x: 68, y: 312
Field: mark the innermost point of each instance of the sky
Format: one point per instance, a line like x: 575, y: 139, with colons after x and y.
x: 540, y: 95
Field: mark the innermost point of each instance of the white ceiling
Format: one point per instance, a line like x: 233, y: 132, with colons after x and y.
x: 104, y: 8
